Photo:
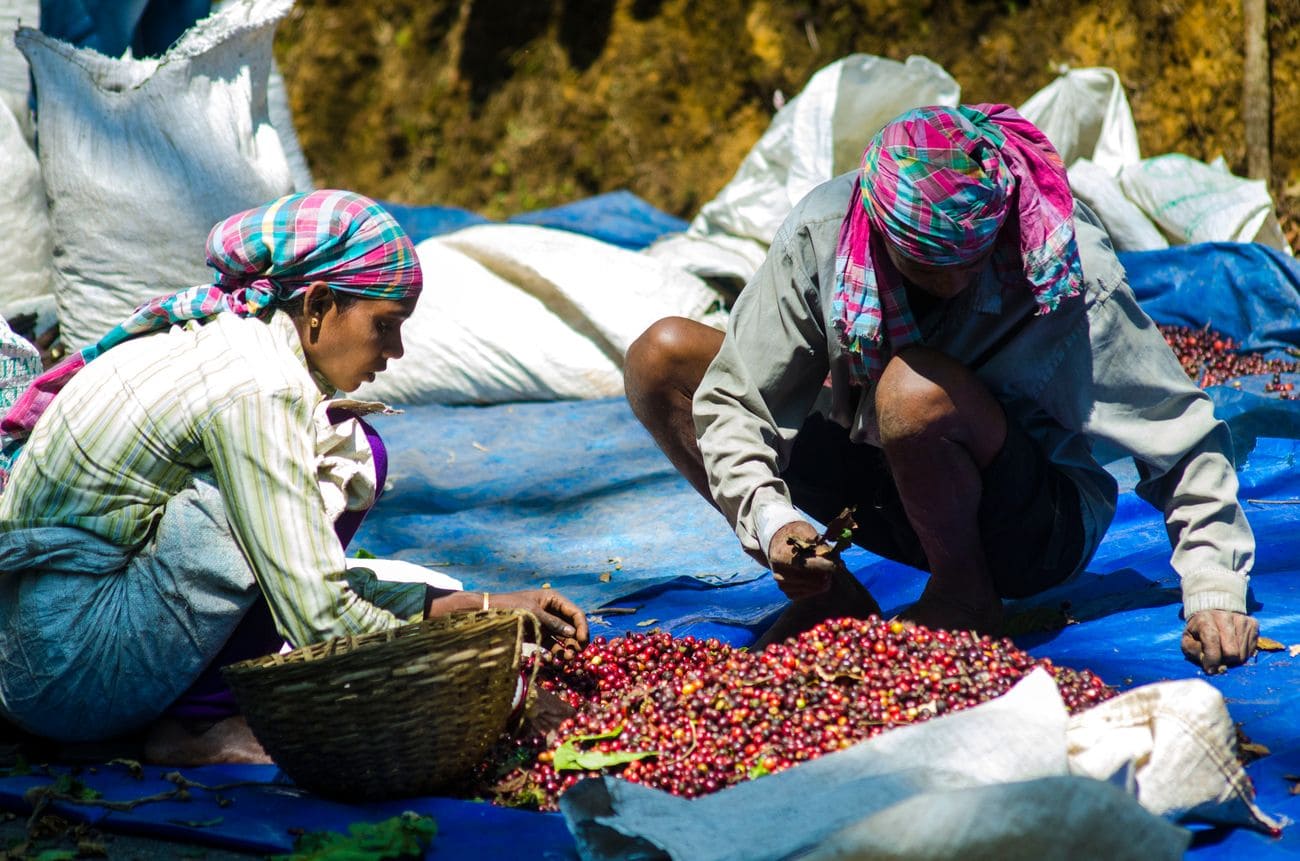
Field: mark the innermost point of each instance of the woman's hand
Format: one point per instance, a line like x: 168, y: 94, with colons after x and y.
x: 559, y: 616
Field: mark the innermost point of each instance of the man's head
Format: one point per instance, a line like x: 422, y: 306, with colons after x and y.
x: 937, y: 188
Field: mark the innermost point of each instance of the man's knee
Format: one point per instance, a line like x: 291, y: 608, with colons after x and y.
x: 671, y: 355
x: 925, y: 396
x: 913, y: 402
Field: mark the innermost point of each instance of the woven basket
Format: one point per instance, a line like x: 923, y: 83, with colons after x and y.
x: 393, y: 713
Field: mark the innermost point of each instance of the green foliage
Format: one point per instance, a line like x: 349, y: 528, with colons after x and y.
x: 572, y: 756
x: 405, y: 836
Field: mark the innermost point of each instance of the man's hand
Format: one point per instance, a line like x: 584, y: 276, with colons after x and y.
x: 799, y: 575
x: 559, y: 616
x: 1218, y: 639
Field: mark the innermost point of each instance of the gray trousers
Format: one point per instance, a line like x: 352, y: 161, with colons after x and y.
x: 97, y: 640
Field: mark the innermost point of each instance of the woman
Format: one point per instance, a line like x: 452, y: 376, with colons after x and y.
x: 192, y: 471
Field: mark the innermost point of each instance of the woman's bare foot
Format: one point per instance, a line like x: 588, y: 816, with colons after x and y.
x: 174, y: 742
x: 846, y: 597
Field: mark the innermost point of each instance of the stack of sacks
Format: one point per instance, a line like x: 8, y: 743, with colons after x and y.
x: 518, y: 313
x: 141, y: 157
x: 1145, y: 204
x: 27, y: 278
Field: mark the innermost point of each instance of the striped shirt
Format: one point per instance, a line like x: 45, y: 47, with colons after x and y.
x: 234, y: 397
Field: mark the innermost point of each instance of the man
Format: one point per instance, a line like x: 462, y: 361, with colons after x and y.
x: 939, y: 339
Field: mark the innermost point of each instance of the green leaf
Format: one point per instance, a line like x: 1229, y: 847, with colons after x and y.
x: 569, y: 756
x: 398, y: 837
x: 757, y: 771
x: 363, y: 553
x: 68, y: 785
x: 55, y: 855
x: 20, y: 768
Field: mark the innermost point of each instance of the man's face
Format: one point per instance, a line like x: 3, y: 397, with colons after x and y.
x: 942, y: 282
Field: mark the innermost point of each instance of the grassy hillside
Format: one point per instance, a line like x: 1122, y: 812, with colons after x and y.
x: 502, y: 106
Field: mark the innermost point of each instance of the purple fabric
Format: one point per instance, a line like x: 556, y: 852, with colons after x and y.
x: 209, y: 698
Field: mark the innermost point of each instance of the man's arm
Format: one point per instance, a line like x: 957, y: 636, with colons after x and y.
x: 1122, y: 384
x: 757, y: 392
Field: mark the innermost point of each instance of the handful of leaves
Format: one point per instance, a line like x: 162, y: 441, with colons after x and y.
x: 831, y: 543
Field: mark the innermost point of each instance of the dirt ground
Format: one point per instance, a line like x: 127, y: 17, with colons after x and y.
x: 500, y: 106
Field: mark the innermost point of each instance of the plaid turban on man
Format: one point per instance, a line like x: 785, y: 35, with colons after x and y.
x: 945, y: 186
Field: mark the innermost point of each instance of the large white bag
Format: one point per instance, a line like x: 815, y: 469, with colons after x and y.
x: 1197, y: 202
x: 1128, y: 226
x: 14, y: 81
x: 1085, y: 114
x: 25, y: 237
x: 475, y: 338
x: 607, y: 293
x: 141, y: 157
x: 815, y: 136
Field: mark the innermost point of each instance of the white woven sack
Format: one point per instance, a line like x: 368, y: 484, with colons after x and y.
x: 25, y: 241
x: 608, y: 294
x: 477, y: 339
x: 1193, y: 201
x: 20, y: 364
x: 15, y: 84
x: 1128, y: 226
x: 142, y: 157
x: 1085, y: 114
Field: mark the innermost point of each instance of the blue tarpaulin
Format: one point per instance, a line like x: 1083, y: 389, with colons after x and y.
x: 515, y: 495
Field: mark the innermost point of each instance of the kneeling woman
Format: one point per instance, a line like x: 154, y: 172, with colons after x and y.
x: 189, y: 484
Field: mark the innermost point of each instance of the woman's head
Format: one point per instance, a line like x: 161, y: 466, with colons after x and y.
x: 338, y: 263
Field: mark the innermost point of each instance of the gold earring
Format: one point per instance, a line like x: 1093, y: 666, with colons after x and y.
x: 315, y: 322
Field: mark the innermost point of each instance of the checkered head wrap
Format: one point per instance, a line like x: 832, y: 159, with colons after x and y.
x: 944, y: 186
x: 262, y: 256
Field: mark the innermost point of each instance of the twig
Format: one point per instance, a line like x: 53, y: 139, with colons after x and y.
x: 1274, y: 501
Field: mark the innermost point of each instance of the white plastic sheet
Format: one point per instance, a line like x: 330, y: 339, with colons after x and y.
x: 141, y: 157
x: 817, y: 135
x: 1013, y: 778
x: 1085, y: 114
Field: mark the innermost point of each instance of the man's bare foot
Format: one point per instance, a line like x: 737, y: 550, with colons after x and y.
x: 940, y: 612
x: 173, y: 742
x: 846, y: 597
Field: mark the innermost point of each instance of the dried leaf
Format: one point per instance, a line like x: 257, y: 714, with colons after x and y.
x: 1294, y: 650
x: 133, y: 768
x: 1254, y: 750
x: 1268, y: 644
x: 605, y: 578
x: 646, y: 622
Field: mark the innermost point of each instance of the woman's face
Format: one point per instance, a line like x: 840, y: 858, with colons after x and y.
x: 350, y: 346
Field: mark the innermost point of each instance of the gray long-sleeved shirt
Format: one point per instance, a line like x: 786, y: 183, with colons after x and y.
x: 1095, y: 370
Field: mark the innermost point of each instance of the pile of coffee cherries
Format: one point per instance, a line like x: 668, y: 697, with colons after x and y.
x: 1208, y: 357
x: 693, y: 716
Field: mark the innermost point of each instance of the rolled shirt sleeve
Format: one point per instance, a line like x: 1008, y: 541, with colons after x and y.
x: 262, y: 449
x: 756, y: 394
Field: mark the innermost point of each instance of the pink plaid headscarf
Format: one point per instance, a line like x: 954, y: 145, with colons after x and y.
x: 939, y: 185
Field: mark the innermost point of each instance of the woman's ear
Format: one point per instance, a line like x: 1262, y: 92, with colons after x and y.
x: 317, y: 300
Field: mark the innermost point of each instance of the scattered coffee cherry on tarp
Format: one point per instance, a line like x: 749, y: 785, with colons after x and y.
x: 1211, y: 358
